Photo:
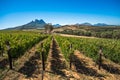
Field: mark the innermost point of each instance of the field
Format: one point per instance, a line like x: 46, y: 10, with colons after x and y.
x: 30, y: 55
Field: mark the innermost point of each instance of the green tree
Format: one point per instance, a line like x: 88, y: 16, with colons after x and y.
x: 48, y: 28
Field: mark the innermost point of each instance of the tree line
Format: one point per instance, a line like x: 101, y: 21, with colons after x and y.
x: 115, y: 34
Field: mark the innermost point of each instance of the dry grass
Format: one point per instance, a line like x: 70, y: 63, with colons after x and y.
x: 67, y: 35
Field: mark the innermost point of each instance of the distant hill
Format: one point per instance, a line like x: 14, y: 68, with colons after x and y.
x: 86, y: 24
x: 56, y: 25
x: 97, y: 25
x: 101, y: 24
x: 37, y: 24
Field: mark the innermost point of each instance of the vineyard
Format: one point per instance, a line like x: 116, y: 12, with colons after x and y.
x: 34, y: 56
x: 90, y: 47
x: 19, y: 42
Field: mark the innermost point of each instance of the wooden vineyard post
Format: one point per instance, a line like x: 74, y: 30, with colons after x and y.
x: 1, y: 51
x: 43, y: 57
x: 100, y: 58
x: 70, y: 60
x: 52, y: 38
x: 41, y: 45
x: 70, y: 57
x: 9, y: 55
x: 43, y: 60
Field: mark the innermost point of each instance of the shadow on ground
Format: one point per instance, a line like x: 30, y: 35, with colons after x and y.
x: 30, y: 66
x: 81, y: 68
x: 3, y: 63
x: 56, y: 64
x: 111, y: 69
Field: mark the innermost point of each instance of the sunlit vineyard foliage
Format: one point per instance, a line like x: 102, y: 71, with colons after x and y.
x: 90, y: 47
x: 19, y: 41
x: 64, y: 45
x: 45, y: 47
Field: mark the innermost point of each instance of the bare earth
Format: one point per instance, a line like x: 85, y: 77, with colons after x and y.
x: 67, y: 35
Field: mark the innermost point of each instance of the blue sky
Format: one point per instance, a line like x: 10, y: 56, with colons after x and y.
x: 18, y: 12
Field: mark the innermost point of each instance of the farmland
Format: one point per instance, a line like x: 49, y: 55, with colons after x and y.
x: 37, y: 56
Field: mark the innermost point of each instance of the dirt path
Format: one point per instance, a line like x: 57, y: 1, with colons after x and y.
x: 28, y: 67
x: 68, y: 35
x: 87, y: 66
x: 55, y: 64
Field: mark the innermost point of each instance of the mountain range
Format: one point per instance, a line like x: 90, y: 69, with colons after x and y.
x: 38, y: 24
x: 56, y: 25
x: 97, y: 25
x: 31, y: 25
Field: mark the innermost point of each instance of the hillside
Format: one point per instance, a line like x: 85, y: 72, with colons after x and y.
x: 37, y: 24
x: 112, y: 32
